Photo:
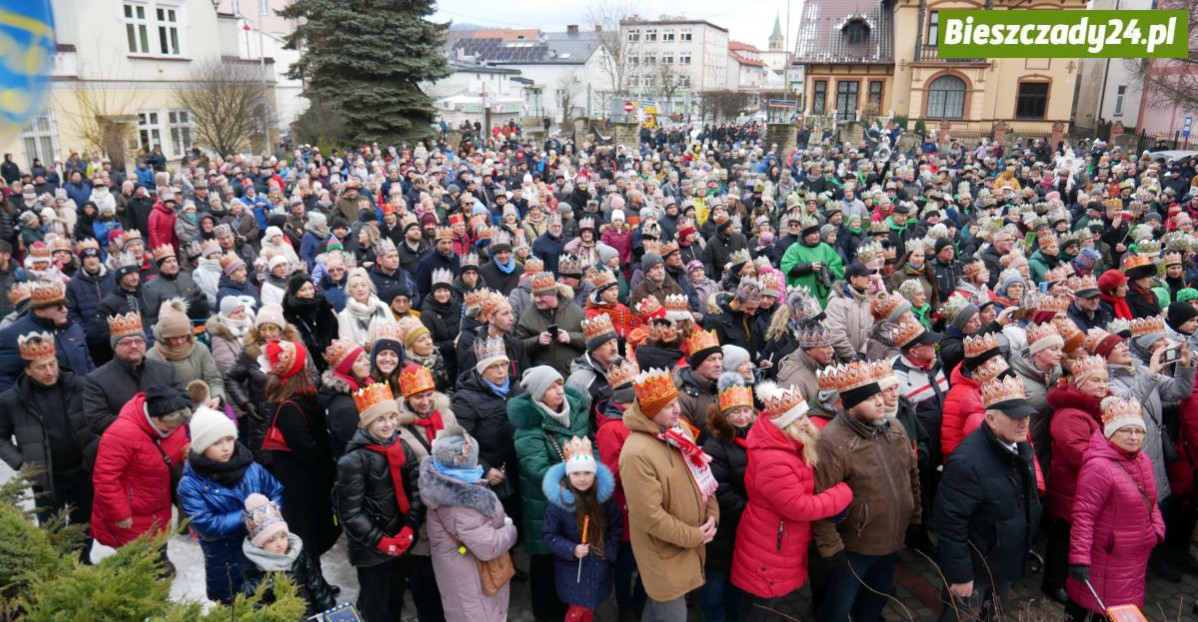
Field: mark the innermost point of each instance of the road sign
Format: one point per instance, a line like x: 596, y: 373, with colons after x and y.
x: 1185, y: 131
x: 628, y: 106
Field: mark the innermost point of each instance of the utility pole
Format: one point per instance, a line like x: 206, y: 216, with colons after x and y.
x: 263, y: 9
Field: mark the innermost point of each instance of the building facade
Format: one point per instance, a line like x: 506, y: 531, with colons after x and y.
x: 846, y: 48
x: 689, y: 56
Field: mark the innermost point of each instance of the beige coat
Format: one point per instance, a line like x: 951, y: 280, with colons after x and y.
x: 798, y: 370
x: 408, y: 433
x: 849, y: 321
x: 665, y: 511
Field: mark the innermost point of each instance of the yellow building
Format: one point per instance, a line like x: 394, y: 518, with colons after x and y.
x: 881, y: 57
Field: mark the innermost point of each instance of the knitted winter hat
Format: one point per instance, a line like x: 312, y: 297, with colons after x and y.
x: 163, y: 400
x: 649, y: 260
x: 537, y: 380
x: 270, y: 314
x: 207, y: 426
x: 173, y: 320
x: 262, y: 519
x: 454, y: 448
x: 734, y: 356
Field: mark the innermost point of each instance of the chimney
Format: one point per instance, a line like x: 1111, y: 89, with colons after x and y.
x: 572, y: 29
x: 598, y: 27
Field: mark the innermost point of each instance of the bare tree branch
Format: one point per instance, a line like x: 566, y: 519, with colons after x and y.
x: 229, y: 105
x: 608, y: 14
x: 1169, y: 81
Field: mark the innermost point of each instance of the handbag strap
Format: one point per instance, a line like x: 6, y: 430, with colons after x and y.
x: 1144, y: 495
x: 275, y: 423
x: 452, y: 538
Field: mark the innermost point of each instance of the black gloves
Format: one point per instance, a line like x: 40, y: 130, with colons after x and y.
x: 837, y: 519
x: 1080, y: 573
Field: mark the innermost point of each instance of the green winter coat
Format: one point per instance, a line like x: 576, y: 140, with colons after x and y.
x: 568, y: 317
x: 538, y: 443
x: 1038, y: 266
x: 798, y: 255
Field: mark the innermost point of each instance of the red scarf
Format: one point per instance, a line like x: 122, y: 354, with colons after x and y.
x: 1122, y: 311
x: 696, y: 460
x: 395, y: 460
x: 431, y: 424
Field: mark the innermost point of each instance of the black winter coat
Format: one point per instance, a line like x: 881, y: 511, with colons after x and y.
x: 734, y: 327
x: 366, y: 498
x: 987, y: 499
x: 516, y: 353
x: 120, y: 301
x: 316, y: 322
x: 84, y: 294
x: 729, y: 460
x: 491, y: 276
x: 246, y: 386
x: 23, y: 435
x: 443, y: 322
x: 303, y: 572
x: 107, y: 389
x: 307, y: 471
x: 337, y: 400
x: 483, y: 414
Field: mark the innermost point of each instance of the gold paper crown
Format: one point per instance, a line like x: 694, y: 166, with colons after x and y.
x: 1115, y: 203
x: 416, y: 379
x: 569, y: 265
x: 408, y: 326
x: 853, y: 375
x: 1121, y: 408
x: 654, y: 387
x: 130, y: 235
x: 990, y: 369
x: 663, y: 332
x: 484, y: 233
x: 1149, y: 248
x: 475, y: 297
x: 602, y: 278
x: 163, y: 251
x: 702, y: 340
x: 720, y: 217
x: 1073, y: 336
x: 735, y: 395
x: 651, y: 246
x: 578, y: 448
x: 491, y: 303
x: 827, y: 378
x: 914, y: 245
x: 534, y: 265
x: 18, y: 292
x: 973, y: 267
x: 907, y: 330
x: 371, y: 395
x: 1048, y: 239
x: 780, y: 401
x: 33, y: 346
x: 890, y: 252
x: 649, y: 307
x: 444, y: 233
x: 543, y: 282
x: 1173, y: 259
x: 1059, y: 273
x: 978, y: 345
x: 814, y: 336
x: 128, y: 324
x: 738, y: 257
x: 87, y: 244
x: 998, y: 391
x: 1093, y: 339
x: 881, y: 369
x: 39, y: 252
x: 868, y: 253
x: 598, y: 326
x: 1131, y: 262
x: 1082, y: 283
x: 1036, y: 332
x: 229, y: 259
x: 46, y: 293
x: 668, y: 248
x: 622, y: 372
x: 338, y: 350
x: 884, y: 304
x: 1087, y: 365
x: 1147, y: 325
x: 60, y: 244
x: 1053, y: 304
x: 771, y: 281
x: 953, y: 306
x: 677, y: 307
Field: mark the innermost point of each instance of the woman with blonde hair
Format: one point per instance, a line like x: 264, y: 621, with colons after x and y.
x: 362, y: 305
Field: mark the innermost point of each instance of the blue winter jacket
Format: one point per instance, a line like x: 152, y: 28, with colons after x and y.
x: 560, y: 533
x: 80, y: 192
x: 84, y: 294
x: 69, y: 342
x: 216, y: 515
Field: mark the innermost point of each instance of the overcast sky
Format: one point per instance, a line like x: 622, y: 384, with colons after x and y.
x: 749, y: 21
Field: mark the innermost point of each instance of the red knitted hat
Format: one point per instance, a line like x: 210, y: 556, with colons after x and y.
x: 1110, y: 280
x: 286, y: 358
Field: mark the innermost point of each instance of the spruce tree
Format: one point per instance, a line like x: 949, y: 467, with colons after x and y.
x: 365, y: 59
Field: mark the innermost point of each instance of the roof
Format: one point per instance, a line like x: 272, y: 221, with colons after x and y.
x: 822, y: 38
x: 744, y: 60
x: 461, y: 67
x: 777, y: 33
x: 640, y: 21
x: 506, y: 34
x: 737, y: 46
x: 550, y: 48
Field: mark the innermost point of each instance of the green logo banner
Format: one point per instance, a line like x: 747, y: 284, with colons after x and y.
x: 1063, y: 34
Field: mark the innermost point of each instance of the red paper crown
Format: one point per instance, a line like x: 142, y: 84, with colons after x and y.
x: 734, y: 396
x: 416, y: 379
x: 372, y: 395
x: 654, y: 388
x: 990, y: 369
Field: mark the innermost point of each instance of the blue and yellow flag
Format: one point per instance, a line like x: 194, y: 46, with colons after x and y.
x: 26, y: 56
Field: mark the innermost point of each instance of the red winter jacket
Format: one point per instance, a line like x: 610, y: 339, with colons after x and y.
x: 770, y: 558
x: 609, y: 438
x: 962, y: 406
x: 162, y: 228
x: 1075, y: 419
x: 1181, y: 472
x: 131, y: 479
x: 1114, y: 528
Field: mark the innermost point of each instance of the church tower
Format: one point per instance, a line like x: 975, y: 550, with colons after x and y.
x: 777, y: 41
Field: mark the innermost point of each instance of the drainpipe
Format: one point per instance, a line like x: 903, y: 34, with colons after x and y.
x: 923, y: 7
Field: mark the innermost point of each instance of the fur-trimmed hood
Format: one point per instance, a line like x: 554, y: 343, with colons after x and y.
x: 561, y: 497
x: 254, y: 342
x: 720, y: 427
x: 440, y: 404
x: 330, y: 381
x: 440, y: 491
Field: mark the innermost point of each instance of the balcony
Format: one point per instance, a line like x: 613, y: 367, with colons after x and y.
x: 931, y: 54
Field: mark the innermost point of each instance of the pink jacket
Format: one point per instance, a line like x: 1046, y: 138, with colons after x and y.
x: 770, y: 558
x: 1114, y: 526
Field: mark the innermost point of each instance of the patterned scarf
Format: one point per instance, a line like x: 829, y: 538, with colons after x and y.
x: 696, y: 461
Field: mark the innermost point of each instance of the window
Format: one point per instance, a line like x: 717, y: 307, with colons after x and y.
x: 820, y: 99
x: 180, y: 128
x: 632, y: 60
x: 650, y: 34
x: 1120, y: 93
x: 857, y: 33
x: 684, y: 80
x: 946, y: 98
x: 875, y: 94
x: 149, y: 130
x: 667, y: 59
x: 684, y: 59
x: 137, y: 28
x: 39, y: 138
x: 650, y: 59
x: 1032, y: 100
x: 168, y: 30
x: 667, y: 35
x: 846, y: 99
x: 685, y: 35
x: 934, y: 28
x: 634, y: 35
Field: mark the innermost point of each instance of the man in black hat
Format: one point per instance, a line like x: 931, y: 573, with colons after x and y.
x: 987, y: 507
x: 945, y: 265
x: 127, y: 297
x: 1085, y: 310
x: 901, y: 229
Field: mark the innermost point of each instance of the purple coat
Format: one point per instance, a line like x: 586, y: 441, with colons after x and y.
x: 1114, y: 527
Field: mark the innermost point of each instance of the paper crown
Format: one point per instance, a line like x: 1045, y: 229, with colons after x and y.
x: 1073, y: 336
x: 46, y: 294
x: 489, y: 348
x: 386, y: 246
x: 442, y: 276
x: 33, y: 346
x: 457, y: 219
x: 881, y: 369
x: 650, y: 308
x: 416, y: 379
x: 1053, y: 304
x: 569, y: 265
x: 1036, y: 332
x: 1149, y: 248
x: 1086, y: 365
x: 869, y: 253
x: 443, y: 233
x: 230, y: 261
x: 622, y: 372
x: 720, y: 217
x: 973, y: 267
x: 780, y: 403
x: 491, y: 303
x: 39, y: 252
x: 586, y: 223
x: 410, y: 329
x: 654, y: 388
x: 990, y: 369
x: 130, y: 235
x: 878, y: 226
x: 372, y: 395
x: 1001, y: 390
x: 578, y: 450
x: 597, y: 327
x: 979, y: 345
x: 533, y: 265
x: 906, y: 331
x: 125, y: 325
x: 700, y: 340
x: 87, y: 244
x: 852, y: 375
x: 543, y: 282
x: 954, y: 306
x: 1147, y: 325
x: 1118, y: 325
x: 1172, y: 259
x: 603, y: 279
x: 339, y: 350
x: 735, y: 395
x: 914, y: 245
x: 1058, y: 274
x: 772, y: 283
x: 663, y: 332
x: 814, y: 336
x: 884, y: 304
x: 469, y: 260
x: 651, y: 246
x: 827, y: 378
x: 668, y: 248
x: 18, y: 292
x: 1121, y: 408
x: 1082, y: 283
x: 677, y: 308
x: 475, y: 297
x: 739, y: 256
x: 1094, y: 337
x: 60, y: 244
x: 162, y: 251
x: 1131, y: 262
x: 1049, y: 240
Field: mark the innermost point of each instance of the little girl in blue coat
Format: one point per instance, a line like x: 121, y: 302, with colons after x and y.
x: 579, y: 491
x: 219, y: 475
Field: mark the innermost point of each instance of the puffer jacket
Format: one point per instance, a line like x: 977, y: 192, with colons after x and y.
x: 70, y: 346
x: 367, y: 501
x: 469, y: 515
x: 483, y: 414
x: 849, y: 321
x: 296, y: 563
x: 665, y: 511
x: 131, y: 477
x: 879, y: 464
x: 538, y: 442
x: 610, y: 434
x: 1154, y: 392
x: 341, y: 414
x: 216, y: 514
x: 591, y: 585
x: 23, y: 435
x: 84, y: 293
x: 962, y: 409
x: 727, y: 447
x: 1076, y: 417
x: 774, y: 534
x: 1114, y: 527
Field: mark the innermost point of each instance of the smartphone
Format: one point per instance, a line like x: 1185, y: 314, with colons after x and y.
x: 552, y: 330
x: 1171, y: 353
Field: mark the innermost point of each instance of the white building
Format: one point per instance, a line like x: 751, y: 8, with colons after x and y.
x: 116, y: 71
x: 777, y: 57
x: 746, y: 70
x: 466, y: 93
x: 692, y: 54
x: 261, y: 28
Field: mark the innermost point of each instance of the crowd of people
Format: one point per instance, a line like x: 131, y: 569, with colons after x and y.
x: 699, y: 372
